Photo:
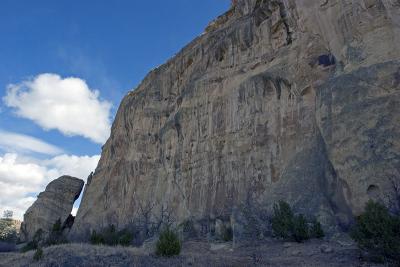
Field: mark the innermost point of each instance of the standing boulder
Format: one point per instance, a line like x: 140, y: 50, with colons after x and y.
x: 54, y: 204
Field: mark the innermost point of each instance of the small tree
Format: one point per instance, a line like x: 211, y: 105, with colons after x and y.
x: 36, y: 242
x: 57, y: 226
x: 287, y: 225
x: 227, y: 234
x: 282, y: 220
x: 300, y: 231
x: 111, y: 237
x: 8, y: 214
x: 168, y: 244
x: 38, y: 254
x: 378, y: 232
x: 56, y: 235
x: 316, y: 230
x: 96, y: 239
x: 125, y: 237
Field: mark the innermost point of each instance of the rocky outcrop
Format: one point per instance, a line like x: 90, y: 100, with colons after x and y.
x: 279, y: 99
x: 51, y: 205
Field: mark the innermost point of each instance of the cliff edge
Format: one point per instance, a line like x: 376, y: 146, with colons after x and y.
x: 279, y: 99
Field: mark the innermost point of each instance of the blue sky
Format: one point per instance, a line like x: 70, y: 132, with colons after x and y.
x: 54, y: 56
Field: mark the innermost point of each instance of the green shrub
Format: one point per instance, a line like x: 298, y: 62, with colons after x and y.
x: 36, y: 241
x: 168, y: 244
x: 56, y: 235
x: 38, y: 255
x: 29, y: 246
x: 300, y: 230
x: 287, y: 225
x: 378, y: 233
x: 57, y: 226
x: 282, y: 220
x: 316, y: 230
x: 38, y: 237
x: 125, y: 238
x: 227, y: 234
x: 111, y: 237
x: 96, y: 239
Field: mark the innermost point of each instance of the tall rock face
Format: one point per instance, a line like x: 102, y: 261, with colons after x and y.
x: 279, y: 99
x: 55, y: 203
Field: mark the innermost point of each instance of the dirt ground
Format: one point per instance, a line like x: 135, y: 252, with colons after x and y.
x: 336, y: 252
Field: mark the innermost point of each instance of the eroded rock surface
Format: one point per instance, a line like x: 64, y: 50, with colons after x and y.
x: 293, y: 99
x: 54, y: 203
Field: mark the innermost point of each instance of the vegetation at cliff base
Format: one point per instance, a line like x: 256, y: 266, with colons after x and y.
x: 56, y: 235
x: 168, y: 244
x: 316, y: 229
x: 300, y: 228
x: 36, y: 241
x: 287, y: 225
x: 111, y: 237
x: 227, y: 234
x: 377, y: 232
x: 282, y: 220
x: 38, y: 254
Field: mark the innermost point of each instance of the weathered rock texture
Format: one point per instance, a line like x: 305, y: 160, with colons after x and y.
x: 292, y: 99
x: 54, y: 203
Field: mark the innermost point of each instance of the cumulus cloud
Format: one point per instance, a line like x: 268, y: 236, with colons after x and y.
x: 10, y: 141
x: 65, y: 104
x: 21, y: 180
x: 77, y: 166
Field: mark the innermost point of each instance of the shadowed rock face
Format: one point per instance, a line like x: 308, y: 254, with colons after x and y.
x: 54, y: 203
x: 294, y: 99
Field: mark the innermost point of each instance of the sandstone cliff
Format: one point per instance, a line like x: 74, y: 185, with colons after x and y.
x: 279, y: 99
x: 55, y: 203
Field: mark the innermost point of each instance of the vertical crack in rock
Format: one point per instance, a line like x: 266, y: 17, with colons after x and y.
x: 284, y: 17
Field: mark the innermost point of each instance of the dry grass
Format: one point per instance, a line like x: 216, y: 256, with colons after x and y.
x: 195, y: 253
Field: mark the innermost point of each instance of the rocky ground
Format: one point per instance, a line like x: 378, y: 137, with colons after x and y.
x: 337, y: 252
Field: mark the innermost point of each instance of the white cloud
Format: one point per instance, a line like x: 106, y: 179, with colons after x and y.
x: 77, y: 166
x: 22, y: 143
x: 20, y: 180
x: 67, y: 105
